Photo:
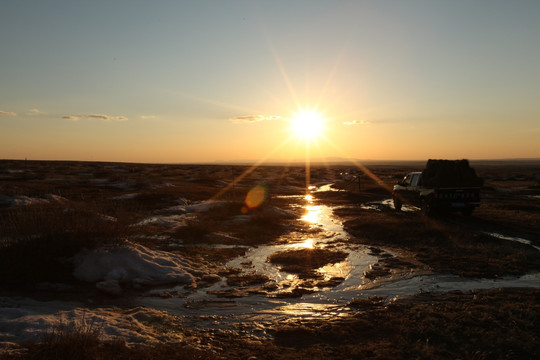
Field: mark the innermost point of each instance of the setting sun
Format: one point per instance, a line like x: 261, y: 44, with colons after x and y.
x: 307, y: 124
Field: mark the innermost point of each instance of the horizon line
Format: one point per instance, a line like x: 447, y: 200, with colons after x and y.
x: 297, y: 162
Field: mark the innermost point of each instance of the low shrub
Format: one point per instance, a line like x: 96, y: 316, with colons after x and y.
x: 37, y: 242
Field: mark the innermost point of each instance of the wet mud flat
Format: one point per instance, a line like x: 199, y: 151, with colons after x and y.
x: 332, y: 271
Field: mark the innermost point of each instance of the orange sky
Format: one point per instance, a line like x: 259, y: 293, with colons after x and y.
x: 204, y: 82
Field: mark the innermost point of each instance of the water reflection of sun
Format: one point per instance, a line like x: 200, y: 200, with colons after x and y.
x: 313, y: 214
x: 308, y: 244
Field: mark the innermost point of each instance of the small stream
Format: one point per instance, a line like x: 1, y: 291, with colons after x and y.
x: 209, y: 310
x: 331, y: 229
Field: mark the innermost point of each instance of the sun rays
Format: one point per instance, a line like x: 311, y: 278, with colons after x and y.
x: 308, y: 124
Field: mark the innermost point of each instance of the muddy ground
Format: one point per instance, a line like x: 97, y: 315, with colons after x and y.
x: 500, y: 241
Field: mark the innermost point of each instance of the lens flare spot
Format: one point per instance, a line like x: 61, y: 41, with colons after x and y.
x: 255, y: 197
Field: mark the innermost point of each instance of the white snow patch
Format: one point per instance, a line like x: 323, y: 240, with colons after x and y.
x: 53, y: 197
x: 13, y: 171
x: 132, y: 265
x: 181, y: 207
x: 513, y: 238
x: 175, y: 208
x: 157, y: 186
x: 241, y: 219
x: 185, y: 206
x: 20, y: 200
x: 125, y: 196
x: 202, y: 206
x: 23, y: 319
x: 172, y: 221
x: 108, y: 218
x: 153, y: 237
x: 224, y: 238
x: 267, y: 211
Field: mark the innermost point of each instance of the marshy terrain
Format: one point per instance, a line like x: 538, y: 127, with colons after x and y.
x: 143, y: 261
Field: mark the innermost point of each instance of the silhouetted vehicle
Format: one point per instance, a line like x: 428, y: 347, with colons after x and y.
x: 444, y: 185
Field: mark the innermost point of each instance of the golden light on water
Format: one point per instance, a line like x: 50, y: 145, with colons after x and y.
x: 313, y: 214
x: 308, y: 244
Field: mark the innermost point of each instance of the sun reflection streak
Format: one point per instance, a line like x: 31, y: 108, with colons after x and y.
x: 308, y: 244
x: 313, y: 214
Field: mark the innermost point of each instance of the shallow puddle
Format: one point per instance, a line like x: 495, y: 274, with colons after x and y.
x: 318, y: 216
x: 326, y: 302
x: 512, y: 238
x: 350, y: 271
x: 387, y: 203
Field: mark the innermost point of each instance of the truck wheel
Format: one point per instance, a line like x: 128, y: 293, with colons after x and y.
x: 397, y: 204
x: 426, y: 207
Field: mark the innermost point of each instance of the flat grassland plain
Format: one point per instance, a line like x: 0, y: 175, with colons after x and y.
x: 149, y: 261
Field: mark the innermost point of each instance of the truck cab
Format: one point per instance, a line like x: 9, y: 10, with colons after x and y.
x: 407, y: 188
x: 411, y: 190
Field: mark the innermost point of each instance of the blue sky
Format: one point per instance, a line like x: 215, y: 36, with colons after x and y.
x: 175, y: 81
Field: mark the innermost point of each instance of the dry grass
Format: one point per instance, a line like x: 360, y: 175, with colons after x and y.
x: 496, y: 324
x: 488, y: 325
x: 69, y: 341
x: 446, y: 245
x: 83, y: 342
x: 39, y: 240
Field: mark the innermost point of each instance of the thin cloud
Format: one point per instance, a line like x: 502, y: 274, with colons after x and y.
x: 7, y: 113
x: 253, y: 118
x: 99, y: 116
x: 71, y: 117
x: 102, y: 117
x: 356, y: 122
x: 148, y: 117
x: 33, y: 112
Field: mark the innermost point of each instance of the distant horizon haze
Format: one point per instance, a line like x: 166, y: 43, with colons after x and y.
x: 302, y: 162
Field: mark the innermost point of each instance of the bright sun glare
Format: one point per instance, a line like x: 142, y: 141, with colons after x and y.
x: 307, y: 124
